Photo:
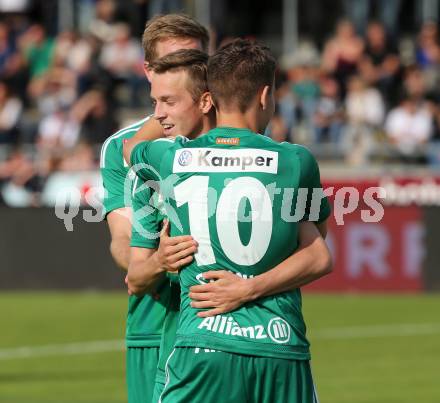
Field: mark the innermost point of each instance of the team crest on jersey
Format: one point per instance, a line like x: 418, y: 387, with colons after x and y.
x: 185, y: 158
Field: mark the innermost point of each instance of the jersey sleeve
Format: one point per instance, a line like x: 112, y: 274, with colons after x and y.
x: 146, y: 158
x: 317, y: 206
x: 146, y: 217
x: 113, y: 175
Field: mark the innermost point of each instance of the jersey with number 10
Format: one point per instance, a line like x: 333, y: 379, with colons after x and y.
x: 241, y: 196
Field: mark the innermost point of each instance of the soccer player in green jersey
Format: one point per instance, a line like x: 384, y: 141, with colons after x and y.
x: 187, y: 94
x: 182, y: 105
x: 162, y: 35
x: 269, y: 327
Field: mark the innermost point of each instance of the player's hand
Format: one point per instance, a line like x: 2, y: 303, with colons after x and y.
x: 130, y: 292
x: 226, y: 293
x: 175, y: 252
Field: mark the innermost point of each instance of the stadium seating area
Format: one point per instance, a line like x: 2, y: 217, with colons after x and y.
x: 363, y: 97
x: 355, y: 100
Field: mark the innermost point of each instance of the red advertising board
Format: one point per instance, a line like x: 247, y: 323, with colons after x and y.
x: 386, y: 255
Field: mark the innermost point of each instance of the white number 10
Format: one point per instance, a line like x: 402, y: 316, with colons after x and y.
x: 194, y: 191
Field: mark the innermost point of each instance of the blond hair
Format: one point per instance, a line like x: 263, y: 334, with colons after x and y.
x: 168, y: 26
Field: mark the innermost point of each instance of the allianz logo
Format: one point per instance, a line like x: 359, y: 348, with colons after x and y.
x: 278, y: 330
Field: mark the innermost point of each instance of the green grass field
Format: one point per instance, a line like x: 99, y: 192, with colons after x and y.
x: 366, y: 349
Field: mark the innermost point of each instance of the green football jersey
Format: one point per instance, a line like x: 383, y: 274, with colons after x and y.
x: 117, y: 178
x: 145, y: 314
x: 241, y: 196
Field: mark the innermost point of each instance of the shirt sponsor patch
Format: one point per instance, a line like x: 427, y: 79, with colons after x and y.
x: 229, y: 141
x: 225, y: 160
x: 278, y: 330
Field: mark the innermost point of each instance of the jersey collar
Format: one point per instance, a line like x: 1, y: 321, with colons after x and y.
x: 230, y: 131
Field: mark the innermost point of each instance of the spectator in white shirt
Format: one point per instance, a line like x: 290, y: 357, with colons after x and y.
x: 409, y: 128
x: 365, y: 112
x: 57, y: 132
x: 123, y: 59
x: 10, y: 113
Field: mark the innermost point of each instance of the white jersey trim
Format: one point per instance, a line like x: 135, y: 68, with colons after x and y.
x: 119, y: 133
x: 167, y: 375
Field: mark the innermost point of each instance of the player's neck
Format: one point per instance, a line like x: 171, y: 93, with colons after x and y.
x: 209, y: 121
x: 207, y: 125
x: 237, y: 120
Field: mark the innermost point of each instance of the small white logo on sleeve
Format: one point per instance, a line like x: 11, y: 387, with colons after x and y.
x: 279, y: 330
x: 226, y: 160
x: 185, y: 158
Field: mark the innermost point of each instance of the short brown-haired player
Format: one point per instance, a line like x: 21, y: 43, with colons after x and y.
x: 257, y: 351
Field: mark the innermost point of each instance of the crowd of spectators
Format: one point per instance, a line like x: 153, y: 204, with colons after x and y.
x: 60, y: 96
x: 363, y: 96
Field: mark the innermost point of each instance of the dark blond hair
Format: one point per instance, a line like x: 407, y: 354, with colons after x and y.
x: 194, y: 62
x: 168, y: 26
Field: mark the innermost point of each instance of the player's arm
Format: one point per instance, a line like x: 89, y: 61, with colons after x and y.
x: 120, y: 229
x: 153, y: 252
x: 151, y: 130
x: 144, y: 274
x: 310, y: 261
x: 148, y: 267
x: 117, y: 214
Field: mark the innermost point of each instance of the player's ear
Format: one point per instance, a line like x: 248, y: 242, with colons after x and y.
x: 265, y: 97
x: 148, y: 72
x: 205, y: 103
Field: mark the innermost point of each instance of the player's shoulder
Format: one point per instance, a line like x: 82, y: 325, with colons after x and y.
x: 299, y: 155
x: 304, y: 157
x: 267, y: 142
x: 112, y: 146
x: 263, y: 141
x: 298, y: 149
x: 170, y: 142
